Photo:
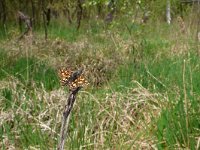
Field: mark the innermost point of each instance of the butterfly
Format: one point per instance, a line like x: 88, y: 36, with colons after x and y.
x: 72, y: 79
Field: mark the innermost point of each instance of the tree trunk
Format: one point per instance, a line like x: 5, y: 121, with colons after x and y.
x: 45, y: 19
x: 48, y: 15
x: 99, y: 10
x: 3, y: 12
x: 68, y: 14
x: 79, y: 13
x: 198, y: 22
x: 111, y: 7
x: 33, y: 13
x: 168, y: 14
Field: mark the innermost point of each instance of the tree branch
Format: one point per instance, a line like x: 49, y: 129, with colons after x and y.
x: 27, y: 21
x: 66, y: 113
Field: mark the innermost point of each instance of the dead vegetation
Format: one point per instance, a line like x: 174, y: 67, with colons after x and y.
x: 100, y: 62
x: 117, y: 115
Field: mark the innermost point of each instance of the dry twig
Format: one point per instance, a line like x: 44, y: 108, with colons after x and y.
x: 27, y: 20
x: 66, y: 113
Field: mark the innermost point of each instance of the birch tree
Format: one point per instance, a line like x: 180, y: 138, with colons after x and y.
x: 168, y: 13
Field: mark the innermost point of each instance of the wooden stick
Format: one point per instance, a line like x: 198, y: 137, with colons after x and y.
x: 66, y: 113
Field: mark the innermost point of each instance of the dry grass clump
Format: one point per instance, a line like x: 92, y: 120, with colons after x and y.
x: 107, y: 120
x: 100, y: 61
x: 34, y: 107
x: 126, y: 119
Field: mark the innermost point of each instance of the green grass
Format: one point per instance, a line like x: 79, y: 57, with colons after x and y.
x: 7, y: 94
x: 166, y: 76
x: 29, y: 70
x: 138, y: 98
x: 3, y: 32
x: 67, y: 33
x: 176, y: 127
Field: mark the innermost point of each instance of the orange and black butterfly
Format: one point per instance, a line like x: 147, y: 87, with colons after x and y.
x: 72, y: 79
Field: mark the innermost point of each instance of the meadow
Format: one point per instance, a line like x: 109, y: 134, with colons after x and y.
x: 144, y: 90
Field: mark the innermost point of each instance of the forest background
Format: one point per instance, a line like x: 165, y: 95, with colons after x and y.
x: 140, y: 57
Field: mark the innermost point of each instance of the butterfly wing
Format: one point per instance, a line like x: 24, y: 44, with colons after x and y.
x: 79, y: 82
x: 64, y: 76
